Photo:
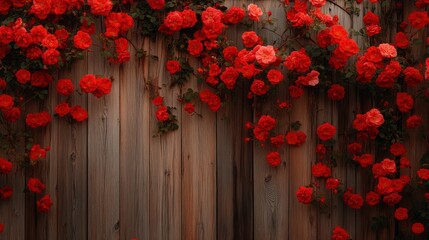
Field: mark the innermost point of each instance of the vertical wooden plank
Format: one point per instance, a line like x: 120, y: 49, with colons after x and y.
x: 234, y: 168
x: 13, y: 210
x: 198, y: 172
x: 103, y: 153
x: 72, y: 172
x: 134, y: 145
x: 271, y: 196
x: 165, y: 153
x: 234, y: 171
x: 324, y: 113
x: 304, y: 219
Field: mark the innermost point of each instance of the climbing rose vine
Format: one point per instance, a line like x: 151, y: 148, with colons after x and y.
x: 312, y: 53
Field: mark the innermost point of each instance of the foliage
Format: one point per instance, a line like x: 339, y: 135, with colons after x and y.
x: 313, y: 52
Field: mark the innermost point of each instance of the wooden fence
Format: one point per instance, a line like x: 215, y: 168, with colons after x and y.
x: 110, y: 178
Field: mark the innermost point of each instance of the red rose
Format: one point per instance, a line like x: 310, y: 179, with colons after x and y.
x: 195, y: 47
x: 22, y: 38
x: 7, y: 35
x: 156, y: 4
x: 417, y: 228
x: 273, y: 159
x: 88, y: 83
x: 298, y: 61
x: 65, y: 87
x: 336, y: 92
x: 36, y: 120
x: 414, y: 121
x: 401, y: 214
x: 12, y: 115
x: 174, y: 20
x: 41, y: 79
x: 51, y: 56
x: 104, y: 86
x: 229, y: 77
x: 354, y: 148
x: 295, y: 138
x: 397, y: 149
x: 277, y: 141
x: 340, y: 233
x: 157, y: 101
x: 321, y: 170
x: 423, y: 174
x: 371, y: 18
x: 189, y: 108
x: 162, y: 114
x: 388, y: 165
x: 230, y: 53
x: 275, y: 76
x: 44, y: 203
x: 1, y: 227
x: 374, y: 118
x: 6, y: 102
x: 326, y: 131
x: 173, y: 66
x: 34, y: 52
x: 62, y: 109
x: 234, y: 15
x: 365, y: 160
x: 413, y: 77
x: 35, y: 185
x: 324, y: 38
x: 392, y: 199
x: 258, y: 87
x: 418, y: 19
x: 23, y: 76
x: 6, y: 192
x: 100, y: 7
x: 401, y: 40
x: 353, y: 200
x: 338, y: 33
x: 372, y: 198
x: 50, y: 41
x: 211, y: 99
x: 332, y: 184
x: 78, y: 113
x: 250, y: 39
x: 266, y: 122
x: 260, y: 134
x: 295, y: 92
x: 36, y: 153
x: 5, y: 166
x: 189, y: 18
x: 404, y: 101
x: 385, y: 186
x: 82, y: 40
x: 348, y: 47
x: 305, y: 195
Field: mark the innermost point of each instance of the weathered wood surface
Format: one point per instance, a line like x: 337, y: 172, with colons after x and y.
x: 109, y: 178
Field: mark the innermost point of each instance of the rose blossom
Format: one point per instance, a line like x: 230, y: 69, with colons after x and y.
x: 387, y: 50
x: 254, y: 12
x: 265, y: 55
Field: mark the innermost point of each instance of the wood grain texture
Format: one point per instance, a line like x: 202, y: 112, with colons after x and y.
x: 271, y: 195
x: 198, y: 172
x: 110, y: 178
x: 13, y: 214
x: 135, y: 136
x: 103, y: 152
x: 165, y: 152
x: 234, y: 159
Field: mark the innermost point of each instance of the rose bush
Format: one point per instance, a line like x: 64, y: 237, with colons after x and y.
x: 316, y: 54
